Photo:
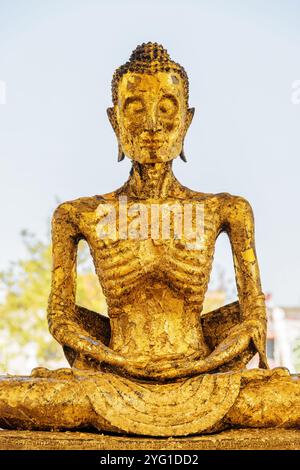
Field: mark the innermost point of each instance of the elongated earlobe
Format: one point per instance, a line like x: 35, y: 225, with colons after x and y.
x: 191, y: 113
x: 121, y: 154
x: 113, y: 120
x: 182, y: 155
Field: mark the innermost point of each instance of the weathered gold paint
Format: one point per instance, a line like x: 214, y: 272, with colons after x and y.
x: 156, y: 366
x: 249, y: 255
x: 152, y: 116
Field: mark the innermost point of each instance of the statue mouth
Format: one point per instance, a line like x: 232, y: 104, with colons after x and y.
x: 151, y: 143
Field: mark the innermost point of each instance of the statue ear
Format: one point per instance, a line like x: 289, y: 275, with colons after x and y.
x: 190, y: 115
x: 113, y: 120
x: 189, y: 118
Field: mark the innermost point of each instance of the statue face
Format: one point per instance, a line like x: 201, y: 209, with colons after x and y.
x: 151, y: 116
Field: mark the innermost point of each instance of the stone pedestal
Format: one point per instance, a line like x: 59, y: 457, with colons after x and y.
x: 242, y: 439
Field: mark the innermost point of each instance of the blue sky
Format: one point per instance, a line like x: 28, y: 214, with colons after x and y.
x: 57, y: 59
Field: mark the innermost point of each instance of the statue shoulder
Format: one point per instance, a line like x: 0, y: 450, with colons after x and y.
x: 234, y: 202
x: 224, y: 202
x: 234, y: 208
x: 221, y: 198
x: 75, y: 207
x: 71, y: 211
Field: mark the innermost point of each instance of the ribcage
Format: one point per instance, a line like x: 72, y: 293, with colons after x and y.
x: 123, y: 265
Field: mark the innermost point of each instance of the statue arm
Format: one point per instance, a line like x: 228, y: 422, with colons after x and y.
x: 61, y: 307
x: 238, y: 223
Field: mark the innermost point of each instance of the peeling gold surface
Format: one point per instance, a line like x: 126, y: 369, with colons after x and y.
x: 155, y: 366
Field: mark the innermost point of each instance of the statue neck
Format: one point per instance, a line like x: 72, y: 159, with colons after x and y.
x: 151, y: 180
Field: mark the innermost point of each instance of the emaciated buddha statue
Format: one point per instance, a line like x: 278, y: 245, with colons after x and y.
x: 156, y: 365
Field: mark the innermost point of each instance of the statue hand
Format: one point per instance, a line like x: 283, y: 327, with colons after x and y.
x: 233, y: 345
x: 238, y: 339
x: 103, y: 354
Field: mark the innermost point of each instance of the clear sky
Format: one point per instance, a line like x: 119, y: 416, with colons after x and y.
x: 57, y: 58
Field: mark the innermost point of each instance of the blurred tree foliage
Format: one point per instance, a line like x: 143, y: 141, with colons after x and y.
x: 26, y: 288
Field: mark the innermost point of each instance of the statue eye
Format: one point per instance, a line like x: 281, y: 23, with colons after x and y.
x: 134, y: 106
x: 167, y: 107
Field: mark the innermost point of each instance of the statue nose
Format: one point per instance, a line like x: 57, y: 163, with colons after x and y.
x: 152, y: 124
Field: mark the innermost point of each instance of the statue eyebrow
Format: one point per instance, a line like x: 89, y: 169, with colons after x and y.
x: 131, y: 99
x: 170, y: 97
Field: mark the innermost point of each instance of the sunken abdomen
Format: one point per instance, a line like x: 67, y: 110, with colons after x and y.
x: 155, y: 322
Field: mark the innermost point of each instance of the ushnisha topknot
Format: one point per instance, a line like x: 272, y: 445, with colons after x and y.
x: 149, y: 57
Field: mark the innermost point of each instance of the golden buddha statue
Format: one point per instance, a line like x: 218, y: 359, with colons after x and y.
x: 156, y: 365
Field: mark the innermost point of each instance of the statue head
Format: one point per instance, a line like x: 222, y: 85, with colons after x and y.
x: 150, y: 113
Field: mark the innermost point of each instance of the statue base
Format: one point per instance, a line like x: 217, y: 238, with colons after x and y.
x: 237, y: 439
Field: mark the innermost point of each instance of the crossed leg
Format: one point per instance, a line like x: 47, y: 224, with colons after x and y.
x: 272, y: 401
x: 57, y: 400
x: 43, y: 403
x: 48, y: 400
